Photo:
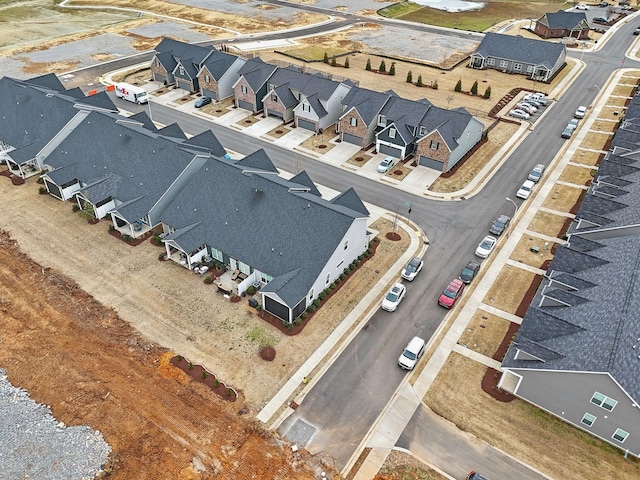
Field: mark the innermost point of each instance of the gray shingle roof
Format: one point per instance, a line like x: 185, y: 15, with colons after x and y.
x: 48, y: 80
x: 520, y: 49
x: 209, y: 142
x: 405, y: 115
x: 169, y: 52
x: 258, y: 160
x: 144, y: 120
x: 368, y: 103
x: 218, y: 63
x: 172, y: 131
x: 261, y: 220
x: 562, y: 19
x: 256, y: 72
x: 304, y: 179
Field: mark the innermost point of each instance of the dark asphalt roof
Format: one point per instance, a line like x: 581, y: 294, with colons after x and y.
x: 218, y: 63
x: 256, y: 72
x: 562, y: 19
x: 368, y: 103
x: 520, y: 49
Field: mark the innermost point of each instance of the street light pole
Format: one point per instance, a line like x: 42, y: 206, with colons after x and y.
x: 514, y: 204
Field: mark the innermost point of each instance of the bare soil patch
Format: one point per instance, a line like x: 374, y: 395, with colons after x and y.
x: 604, y: 125
x: 586, y: 157
x: 547, y: 223
x: 218, y: 109
x: 279, y: 131
x: 249, y: 120
x: 595, y: 140
x: 320, y: 142
x: 402, y: 466
x: 618, y: 102
x: 508, y: 289
x: 456, y: 395
x: 484, y: 333
x: 359, y: 159
x: 523, y: 253
x: 623, y: 90
x: 562, y: 198
x: 469, y: 170
x: 136, y: 77
x: 576, y: 175
x: 398, y: 172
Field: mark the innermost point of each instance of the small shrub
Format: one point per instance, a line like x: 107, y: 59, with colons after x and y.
x: 204, y: 375
x: 190, y: 366
x: 316, y: 302
x: 458, y: 87
x: 303, y: 315
x: 334, y: 62
x: 251, y: 289
x: 332, y: 286
x: 290, y: 326
x: 179, y: 358
x: 312, y: 307
x: 42, y: 190
x: 284, y: 323
x: 127, y: 237
x: 111, y: 228
x: 156, y: 240
x: 322, y: 295
x: 326, y: 57
x: 229, y: 392
x: 208, y: 279
x: 259, y: 308
x: 487, y: 93
x: 162, y: 256
x: 392, y: 69
x: 369, y: 252
x: 217, y: 382
x: 383, y: 67
x: 346, y: 62
x: 368, y: 67
x: 342, y: 276
x: 474, y: 88
x: 419, y: 82
x: 40, y: 180
x: 434, y: 85
x: 358, y: 261
x: 75, y: 208
x: 298, y: 321
x: 409, y: 77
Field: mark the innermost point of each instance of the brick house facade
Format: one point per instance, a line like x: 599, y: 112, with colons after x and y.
x: 434, y: 147
x: 346, y: 126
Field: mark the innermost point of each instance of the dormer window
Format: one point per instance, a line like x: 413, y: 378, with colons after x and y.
x: 392, y: 132
x: 306, y: 107
x: 423, y: 131
x: 382, y: 122
x: 181, y: 70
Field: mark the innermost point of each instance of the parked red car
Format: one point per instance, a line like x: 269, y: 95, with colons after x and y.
x: 451, y: 293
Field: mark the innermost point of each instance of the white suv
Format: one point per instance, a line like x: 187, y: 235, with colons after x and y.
x: 580, y: 112
x: 411, y: 353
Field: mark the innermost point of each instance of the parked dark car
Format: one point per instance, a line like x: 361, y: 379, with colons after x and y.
x: 604, y: 4
x: 499, y: 225
x: 600, y: 20
x: 476, y: 476
x: 636, y: 31
x: 469, y: 272
x: 201, y: 102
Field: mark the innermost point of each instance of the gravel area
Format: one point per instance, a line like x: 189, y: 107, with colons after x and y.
x: 171, y: 29
x: 249, y: 8
x: 54, y: 451
x: 84, y: 50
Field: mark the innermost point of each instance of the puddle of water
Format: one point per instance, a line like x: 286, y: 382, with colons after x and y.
x: 451, y: 5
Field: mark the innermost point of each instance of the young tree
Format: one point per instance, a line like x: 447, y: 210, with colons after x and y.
x: 409, y: 77
x: 346, y: 62
x: 368, y: 67
x: 419, y: 82
x: 326, y: 57
x: 383, y: 67
x: 434, y: 85
x: 334, y: 61
x: 458, y: 87
x: 474, y: 88
x: 392, y: 69
x: 487, y: 92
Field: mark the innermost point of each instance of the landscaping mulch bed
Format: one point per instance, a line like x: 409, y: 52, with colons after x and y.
x: 199, y: 374
x: 133, y: 242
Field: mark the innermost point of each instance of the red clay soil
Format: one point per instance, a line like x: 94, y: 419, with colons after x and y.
x: 199, y: 374
x: 268, y: 354
x: 293, y: 329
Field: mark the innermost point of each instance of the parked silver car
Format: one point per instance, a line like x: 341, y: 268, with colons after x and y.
x: 518, y: 113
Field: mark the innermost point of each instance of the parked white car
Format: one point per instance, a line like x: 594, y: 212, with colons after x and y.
x: 580, y: 112
x: 536, y: 173
x: 386, y: 165
x: 525, y: 189
x: 536, y: 98
x: 394, y: 297
x: 582, y: 6
x: 411, y: 353
x: 486, y: 246
x: 573, y: 123
x: 527, y: 107
x: 518, y: 113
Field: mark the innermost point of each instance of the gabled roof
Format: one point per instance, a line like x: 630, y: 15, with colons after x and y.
x: 405, y: 115
x: 350, y: 199
x: 520, y: 49
x: 304, y: 179
x: 209, y: 142
x: 451, y: 124
x: 368, y: 103
x: 137, y: 163
x: 218, y: 63
x: 173, y: 131
x: 316, y: 105
x: 256, y: 72
x: 257, y: 161
x: 289, y: 81
x: 48, y: 80
x: 144, y: 120
x: 297, y: 231
x: 563, y: 20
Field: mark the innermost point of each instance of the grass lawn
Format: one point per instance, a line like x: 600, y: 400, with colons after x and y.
x: 547, y: 223
x: 523, y: 254
x: 562, y: 198
x: 522, y: 430
x: 509, y: 288
x: 585, y: 157
x: 484, y: 333
x: 577, y: 175
x: 476, y: 20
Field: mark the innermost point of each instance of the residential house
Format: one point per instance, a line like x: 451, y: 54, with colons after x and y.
x: 179, y: 62
x: 398, y: 122
x: 563, y: 24
x: 251, y: 87
x: 320, y: 103
x: 36, y: 118
x: 130, y: 173
x: 577, y: 352
x: 359, y: 122
x: 218, y: 74
x: 537, y: 59
x: 280, y: 235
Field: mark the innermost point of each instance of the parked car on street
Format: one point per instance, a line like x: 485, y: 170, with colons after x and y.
x: 476, y: 476
x: 499, y: 225
x: 573, y: 123
x: 452, y: 293
x: 394, y: 297
x: 518, y: 113
x: 469, y: 272
x: 386, y: 165
x: 536, y: 173
x: 604, y: 4
x: 525, y: 189
x: 486, y: 246
x: 201, y: 102
x: 636, y: 31
x: 412, y: 269
x: 567, y: 132
x: 411, y: 353
x: 580, y: 112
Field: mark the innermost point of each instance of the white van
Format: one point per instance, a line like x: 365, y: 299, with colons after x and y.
x: 411, y: 353
x: 131, y: 93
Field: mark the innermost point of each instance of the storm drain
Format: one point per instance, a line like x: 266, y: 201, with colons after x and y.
x: 300, y: 433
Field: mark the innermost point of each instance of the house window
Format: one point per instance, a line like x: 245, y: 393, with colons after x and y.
x: 392, y: 133
x: 434, y: 145
x: 181, y: 70
x: 588, y: 419
x: 244, y: 268
x: 620, y: 435
x: 274, y: 98
x: 353, y: 122
x: 603, y: 401
x: 328, y: 279
x: 503, y: 64
x: 157, y: 62
x: 306, y: 107
x: 491, y: 61
x: 517, y: 67
x: 530, y: 69
x: 265, y: 278
x: 311, y: 294
x: 339, y: 265
x: 423, y: 130
x: 217, y: 254
x: 243, y: 88
x: 346, y: 244
x: 207, y: 78
x: 382, y: 122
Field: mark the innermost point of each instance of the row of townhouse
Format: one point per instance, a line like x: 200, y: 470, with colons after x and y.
x: 577, y: 352
x: 281, y: 234
x: 398, y: 127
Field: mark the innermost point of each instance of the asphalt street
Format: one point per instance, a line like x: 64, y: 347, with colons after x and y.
x: 346, y: 401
